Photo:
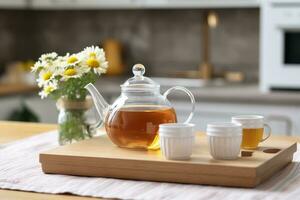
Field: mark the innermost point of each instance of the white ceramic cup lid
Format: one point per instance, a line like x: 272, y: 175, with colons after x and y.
x: 224, y: 129
x: 177, y: 129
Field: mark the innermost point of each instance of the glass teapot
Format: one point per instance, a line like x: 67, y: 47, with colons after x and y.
x: 132, y: 121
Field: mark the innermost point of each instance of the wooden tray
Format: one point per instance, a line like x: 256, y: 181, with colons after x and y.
x: 99, y: 157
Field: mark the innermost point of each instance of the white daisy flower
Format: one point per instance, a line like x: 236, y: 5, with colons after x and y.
x: 94, y: 59
x: 73, y: 72
x: 93, y: 51
x: 61, y: 60
x: 72, y: 60
x: 44, y: 77
x: 59, y: 65
x: 37, y: 66
x: 46, y: 62
x: 52, y: 70
x: 48, y: 57
x: 50, y: 87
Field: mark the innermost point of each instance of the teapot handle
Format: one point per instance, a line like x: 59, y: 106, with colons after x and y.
x: 189, y: 93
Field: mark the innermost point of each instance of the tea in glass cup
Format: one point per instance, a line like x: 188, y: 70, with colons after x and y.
x: 253, y: 130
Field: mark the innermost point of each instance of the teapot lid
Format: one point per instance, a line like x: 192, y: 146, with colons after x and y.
x: 139, y: 82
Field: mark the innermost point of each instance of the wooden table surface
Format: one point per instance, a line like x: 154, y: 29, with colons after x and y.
x: 11, y: 131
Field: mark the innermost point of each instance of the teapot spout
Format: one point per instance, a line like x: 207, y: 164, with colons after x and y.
x: 100, y: 103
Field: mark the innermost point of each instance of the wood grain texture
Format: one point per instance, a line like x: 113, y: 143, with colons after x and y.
x: 11, y: 131
x: 99, y: 157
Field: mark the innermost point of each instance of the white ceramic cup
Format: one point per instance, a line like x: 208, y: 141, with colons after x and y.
x: 176, y: 140
x: 224, y: 140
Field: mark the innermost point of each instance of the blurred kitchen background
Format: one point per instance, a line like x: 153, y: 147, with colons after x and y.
x: 236, y: 56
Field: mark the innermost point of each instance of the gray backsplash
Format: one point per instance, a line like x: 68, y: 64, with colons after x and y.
x: 164, y: 40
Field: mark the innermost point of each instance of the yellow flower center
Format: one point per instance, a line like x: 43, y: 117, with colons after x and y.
x: 92, y: 62
x: 46, y: 76
x: 70, y: 72
x: 93, y: 55
x: 72, y: 59
x: 48, y: 89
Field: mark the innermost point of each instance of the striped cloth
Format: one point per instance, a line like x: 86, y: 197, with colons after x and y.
x: 20, y: 170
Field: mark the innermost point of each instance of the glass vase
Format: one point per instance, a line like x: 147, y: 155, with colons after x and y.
x: 73, y: 120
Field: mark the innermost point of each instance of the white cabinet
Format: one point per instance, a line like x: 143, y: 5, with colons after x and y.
x: 13, y: 4
x: 209, y: 3
x: 284, y: 119
x: 8, y: 104
x: 127, y: 4
x: 82, y: 4
x: 45, y: 109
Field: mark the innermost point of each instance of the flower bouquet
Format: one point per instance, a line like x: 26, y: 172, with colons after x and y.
x: 63, y: 78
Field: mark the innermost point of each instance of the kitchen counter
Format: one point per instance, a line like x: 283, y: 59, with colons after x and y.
x: 221, y: 93
x: 15, y: 89
x: 11, y: 131
x: 246, y: 94
x: 225, y: 93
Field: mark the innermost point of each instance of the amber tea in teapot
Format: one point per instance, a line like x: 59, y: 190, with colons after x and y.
x: 137, y: 126
x: 132, y: 121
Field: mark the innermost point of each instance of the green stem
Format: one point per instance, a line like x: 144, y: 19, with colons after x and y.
x: 73, y: 126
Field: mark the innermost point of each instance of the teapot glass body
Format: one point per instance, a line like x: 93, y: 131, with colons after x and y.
x: 133, y: 120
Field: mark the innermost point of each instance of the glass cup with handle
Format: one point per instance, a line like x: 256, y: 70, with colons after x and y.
x: 254, y: 129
